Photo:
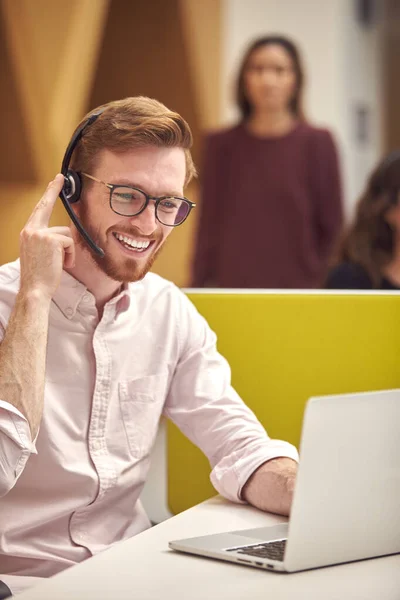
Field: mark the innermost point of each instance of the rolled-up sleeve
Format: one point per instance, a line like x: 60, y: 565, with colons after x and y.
x: 203, y: 404
x: 16, y: 445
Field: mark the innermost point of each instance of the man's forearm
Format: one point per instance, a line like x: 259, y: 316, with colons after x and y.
x: 271, y: 486
x: 23, y: 357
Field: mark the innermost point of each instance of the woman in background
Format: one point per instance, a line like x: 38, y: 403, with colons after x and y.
x: 369, y: 254
x: 270, y: 193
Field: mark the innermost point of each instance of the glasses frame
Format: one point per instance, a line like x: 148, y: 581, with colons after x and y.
x: 157, y: 199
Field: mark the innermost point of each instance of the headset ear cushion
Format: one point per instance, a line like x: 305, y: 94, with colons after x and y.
x: 73, y: 191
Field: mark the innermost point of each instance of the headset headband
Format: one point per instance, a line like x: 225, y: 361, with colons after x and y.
x: 75, y: 139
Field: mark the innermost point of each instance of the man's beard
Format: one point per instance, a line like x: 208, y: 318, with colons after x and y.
x: 124, y: 269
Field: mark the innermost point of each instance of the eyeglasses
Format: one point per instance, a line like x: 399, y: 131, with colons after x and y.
x: 130, y: 201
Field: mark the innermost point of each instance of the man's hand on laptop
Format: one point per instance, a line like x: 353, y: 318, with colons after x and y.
x: 271, y: 486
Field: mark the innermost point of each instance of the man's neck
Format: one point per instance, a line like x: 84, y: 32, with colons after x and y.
x: 98, y: 283
x: 267, y: 123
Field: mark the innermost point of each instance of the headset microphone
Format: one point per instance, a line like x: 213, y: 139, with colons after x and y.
x: 71, y: 190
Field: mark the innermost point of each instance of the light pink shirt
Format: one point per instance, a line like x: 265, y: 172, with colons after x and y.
x: 75, y: 490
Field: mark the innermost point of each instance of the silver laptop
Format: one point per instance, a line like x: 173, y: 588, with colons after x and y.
x: 346, y: 502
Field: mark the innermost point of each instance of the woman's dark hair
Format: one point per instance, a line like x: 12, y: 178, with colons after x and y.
x: 369, y: 240
x: 296, y: 104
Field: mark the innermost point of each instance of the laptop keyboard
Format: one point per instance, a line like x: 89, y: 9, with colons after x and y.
x: 273, y: 550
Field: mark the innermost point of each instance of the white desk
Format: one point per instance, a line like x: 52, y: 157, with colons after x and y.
x: 143, y: 568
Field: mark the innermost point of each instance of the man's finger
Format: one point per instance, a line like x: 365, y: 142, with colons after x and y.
x: 61, y: 230
x: 41, y: 214
x: 68, y: 245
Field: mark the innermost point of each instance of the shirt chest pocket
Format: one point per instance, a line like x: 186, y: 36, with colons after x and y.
x: 141, y: 402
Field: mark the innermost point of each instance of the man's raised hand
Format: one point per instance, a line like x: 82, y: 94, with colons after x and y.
x: 44, y: 250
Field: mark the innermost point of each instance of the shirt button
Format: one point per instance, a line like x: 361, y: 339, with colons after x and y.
x: 86, y: 298
x: 69, y: 312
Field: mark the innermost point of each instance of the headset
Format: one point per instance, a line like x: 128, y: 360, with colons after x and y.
x: 72, y: 187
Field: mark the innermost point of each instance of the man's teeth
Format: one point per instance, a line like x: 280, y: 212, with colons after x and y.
x: 131, y: 242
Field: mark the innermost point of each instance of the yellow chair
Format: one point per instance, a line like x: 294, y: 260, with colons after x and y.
x: 284, y: 348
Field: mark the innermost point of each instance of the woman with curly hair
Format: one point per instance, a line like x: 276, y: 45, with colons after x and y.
x: 369, y: 252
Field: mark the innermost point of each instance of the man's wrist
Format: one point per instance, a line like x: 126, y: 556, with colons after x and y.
x: 271, y: 486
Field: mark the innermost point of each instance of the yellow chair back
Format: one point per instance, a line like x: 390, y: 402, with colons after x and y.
x: 284, y: 347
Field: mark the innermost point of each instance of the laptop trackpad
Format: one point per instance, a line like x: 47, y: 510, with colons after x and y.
x: 266, y: 534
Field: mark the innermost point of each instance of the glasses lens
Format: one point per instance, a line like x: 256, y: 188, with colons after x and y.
x: 127, y: 201
x: 172, y: 211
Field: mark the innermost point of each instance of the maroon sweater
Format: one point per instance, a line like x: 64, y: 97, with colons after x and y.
x: 270, y: 209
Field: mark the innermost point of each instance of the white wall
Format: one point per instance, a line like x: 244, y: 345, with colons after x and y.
x: 362, y: 84
x: 342, y: 62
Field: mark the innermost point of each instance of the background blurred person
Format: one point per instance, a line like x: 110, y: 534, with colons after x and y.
x: 369, y: 253
x: 271, y: 193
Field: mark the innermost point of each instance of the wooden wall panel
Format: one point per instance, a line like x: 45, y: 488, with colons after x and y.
x: 143, y: 53
x: 202, y: 24
x: 16, y: 161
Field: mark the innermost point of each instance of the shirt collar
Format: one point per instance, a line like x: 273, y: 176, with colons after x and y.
x: 122, y: 300
x: 71, y: 292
